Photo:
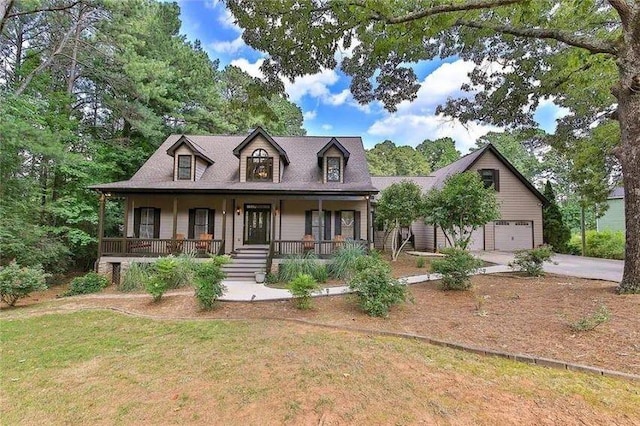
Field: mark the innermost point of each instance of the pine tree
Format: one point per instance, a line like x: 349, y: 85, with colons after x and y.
x: 555, y: 232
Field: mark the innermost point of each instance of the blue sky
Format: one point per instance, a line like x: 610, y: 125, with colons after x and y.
x: 327, y: 105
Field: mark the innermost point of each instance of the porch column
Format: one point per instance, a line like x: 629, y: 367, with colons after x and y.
x: 368, y: 197
x: 274, y: 210
x: 125, y: 226
x: 224, y: 223
x: 101, y: 224
x: 175, y: 218
x: 320, y: 219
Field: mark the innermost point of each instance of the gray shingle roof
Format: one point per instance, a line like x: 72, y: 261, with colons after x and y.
x: 301, y: 175
x: 617, y: 192
x: 438, y: 177
x: 435, y: 179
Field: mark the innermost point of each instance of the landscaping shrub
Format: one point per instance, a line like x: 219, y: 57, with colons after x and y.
x: 308, y: 264
x: 343, y: 261
x: 530, y: 261
x: 603, y: 244
x: 176, y: 271
x: 135, y: 277
x: 156, y: 287
x: 375, y: 288
x: 456, y: 267
x: 590, y: 322
x: 301, y: 288
x: 207, y: 279
x: 17, y: 282
x: 88, y: 283
x: 420, y: 262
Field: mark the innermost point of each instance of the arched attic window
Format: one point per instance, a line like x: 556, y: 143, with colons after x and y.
x: 259, y: 166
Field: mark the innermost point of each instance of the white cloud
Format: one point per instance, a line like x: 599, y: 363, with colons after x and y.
x: 228, y: 47
x: 211, y: 4
x: 227, y: 20
x: 413, y: 129
x: 314, y: 85
x: 253, y: 69
x: 327, y: 127
x: 310, y: 115
x: 416, y: 121
x: 338, y: 98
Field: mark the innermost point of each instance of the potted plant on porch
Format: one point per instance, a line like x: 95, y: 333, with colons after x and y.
x: 260, y: 276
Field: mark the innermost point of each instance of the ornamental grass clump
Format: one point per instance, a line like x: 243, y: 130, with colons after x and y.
x: 375, y: 288
x: 456, y: 267
x: 344, y: 259
x: 17, y: 282
x: 302, y: 287
x: 308, y: 264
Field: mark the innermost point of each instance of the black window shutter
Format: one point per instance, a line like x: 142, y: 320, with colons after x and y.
x: 356, y: 225
x: 338, y: 223
x: 496, y: 179
x: 192, y: 224
x: 210, y: 221
x: 156, y: 223
x: 307, y: 223
x: 136, y: 222
x: 327, y: 225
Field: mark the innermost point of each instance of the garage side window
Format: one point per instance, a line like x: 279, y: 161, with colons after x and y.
x: 490, y: 177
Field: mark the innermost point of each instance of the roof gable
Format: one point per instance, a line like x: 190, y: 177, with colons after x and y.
x: 194, y: 147
x: 512, y: 169
x: 259, y: 131
x: 333, y: 143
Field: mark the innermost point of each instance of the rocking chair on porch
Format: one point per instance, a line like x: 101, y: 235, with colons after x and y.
x: 204, y: 243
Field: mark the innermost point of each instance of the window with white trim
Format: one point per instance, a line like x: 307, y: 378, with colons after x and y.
x: 147, y: 215
x: 184, y: 167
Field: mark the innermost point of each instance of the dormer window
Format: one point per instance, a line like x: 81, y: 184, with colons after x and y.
x: 333, y: 169
x: 259, y: 166
x: 184, y: 167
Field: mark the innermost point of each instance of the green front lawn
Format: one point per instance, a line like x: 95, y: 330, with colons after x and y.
x: 98, y: 367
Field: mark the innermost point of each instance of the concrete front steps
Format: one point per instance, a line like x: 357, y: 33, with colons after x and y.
x: 245, y: 262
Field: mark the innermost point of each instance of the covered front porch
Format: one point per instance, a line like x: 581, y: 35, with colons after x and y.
x: 157, y: 225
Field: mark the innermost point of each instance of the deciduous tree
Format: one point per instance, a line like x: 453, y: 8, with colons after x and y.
x: 581, y: 54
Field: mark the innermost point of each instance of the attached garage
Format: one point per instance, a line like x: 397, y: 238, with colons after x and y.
x: 511, y: 235
x: 476, y: 243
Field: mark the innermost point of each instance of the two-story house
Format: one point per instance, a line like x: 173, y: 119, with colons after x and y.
x: 222, y: 194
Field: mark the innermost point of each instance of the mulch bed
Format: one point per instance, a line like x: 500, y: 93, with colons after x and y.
x: 504, y: 312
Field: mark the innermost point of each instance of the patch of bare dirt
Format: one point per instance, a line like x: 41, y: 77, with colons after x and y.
x: 504, y: 312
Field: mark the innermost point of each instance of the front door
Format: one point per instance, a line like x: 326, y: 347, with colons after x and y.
x: 257, y: 223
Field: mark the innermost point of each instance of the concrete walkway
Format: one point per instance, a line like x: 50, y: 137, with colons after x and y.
x: 247, y: 291
x: 565, y: 264
x: 243, y: 291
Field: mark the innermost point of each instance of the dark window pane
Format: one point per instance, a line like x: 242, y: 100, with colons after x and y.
x: 184, y: 167
x: 333, y: 169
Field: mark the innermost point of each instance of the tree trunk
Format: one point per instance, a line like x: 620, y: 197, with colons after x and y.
x: 627, y: 91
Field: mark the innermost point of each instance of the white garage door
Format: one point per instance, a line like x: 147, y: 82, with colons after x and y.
x: 514, y: 235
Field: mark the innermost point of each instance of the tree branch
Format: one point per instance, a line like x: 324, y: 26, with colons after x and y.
x: 44, y: 9
x: 623, y: 9
x: 445, y: 8
x: 593, y: 46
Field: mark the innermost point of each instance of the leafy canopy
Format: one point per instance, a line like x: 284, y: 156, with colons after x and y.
x: 460, y: 207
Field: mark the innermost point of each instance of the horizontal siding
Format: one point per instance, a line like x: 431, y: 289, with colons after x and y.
x: 201, y: 166
x: 613, y: 218
x: 259, y: 143
x: 517, y: 202
x: 293, y: 216
x: 165, y: 204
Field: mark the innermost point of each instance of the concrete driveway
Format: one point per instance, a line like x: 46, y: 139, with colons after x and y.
x: 575, y: 266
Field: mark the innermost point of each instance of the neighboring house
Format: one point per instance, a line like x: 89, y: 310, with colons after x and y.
x: 520, y: 223
x: 222, y: 194
x: 613, y: 219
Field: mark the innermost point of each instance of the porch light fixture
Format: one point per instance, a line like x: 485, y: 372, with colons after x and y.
x: 238, y: 211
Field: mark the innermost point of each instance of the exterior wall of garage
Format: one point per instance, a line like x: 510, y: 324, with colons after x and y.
x: 517, y: 202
